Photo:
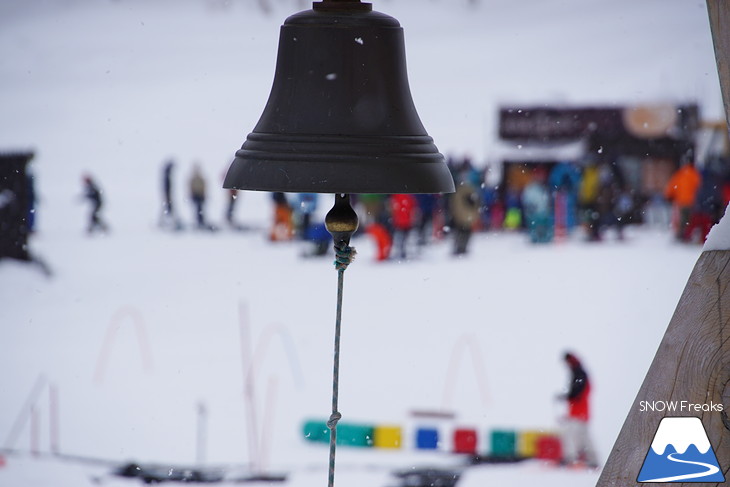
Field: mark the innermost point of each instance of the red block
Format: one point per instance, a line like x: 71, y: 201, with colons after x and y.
x: 465, y: 441
x: 548, y: 448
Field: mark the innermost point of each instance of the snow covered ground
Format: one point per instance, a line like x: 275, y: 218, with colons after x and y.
x: 480, y: 336
x: 136, y: 329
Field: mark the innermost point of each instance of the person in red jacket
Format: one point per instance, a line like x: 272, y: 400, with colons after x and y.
x: 403, y: 209
x: 577, y: 444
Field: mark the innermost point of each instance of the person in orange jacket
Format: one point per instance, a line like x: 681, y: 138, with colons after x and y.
x: 383, y: 240
x: 681, y: 191
x: 283, y: 228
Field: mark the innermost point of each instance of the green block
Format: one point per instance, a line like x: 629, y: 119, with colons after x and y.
x: 503, y: 443
x: 316, y: 431
x: 357, y: 435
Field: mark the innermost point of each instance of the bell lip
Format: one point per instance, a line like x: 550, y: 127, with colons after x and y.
x: 442, y: 188
x: 300, y: 163
x: 352, y: 174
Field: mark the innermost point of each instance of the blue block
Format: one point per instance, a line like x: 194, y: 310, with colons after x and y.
x: 427, y: 439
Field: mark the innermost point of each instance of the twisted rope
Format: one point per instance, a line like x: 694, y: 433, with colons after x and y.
x: 344, y: 255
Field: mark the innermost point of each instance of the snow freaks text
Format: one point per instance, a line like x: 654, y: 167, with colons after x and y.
x: 679, y: 406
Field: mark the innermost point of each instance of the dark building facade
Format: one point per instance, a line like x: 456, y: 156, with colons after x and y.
x: 16, y: 205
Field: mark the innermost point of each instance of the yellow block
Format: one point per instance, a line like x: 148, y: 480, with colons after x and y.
x: 527, y: 443
x: 387, y: 437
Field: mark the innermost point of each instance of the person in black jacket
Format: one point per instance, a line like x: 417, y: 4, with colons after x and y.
x: 168, y: 217
x: 94, y: 195
x: 577, y: 444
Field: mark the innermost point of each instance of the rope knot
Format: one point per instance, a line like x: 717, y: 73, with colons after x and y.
x: 344, y: 256
x: 334, y: 418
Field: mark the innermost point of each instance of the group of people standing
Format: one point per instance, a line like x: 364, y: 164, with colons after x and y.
x: 169, y: 219
x: 698, y: 199
x: 399, y: 224
x: 558, y: 198
x: 596, y: 196
x: 553, y: 201
x: 197, y: 195
x: 402, y: 224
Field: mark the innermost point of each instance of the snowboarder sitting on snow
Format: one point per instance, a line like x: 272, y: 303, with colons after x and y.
x: 577, y: 445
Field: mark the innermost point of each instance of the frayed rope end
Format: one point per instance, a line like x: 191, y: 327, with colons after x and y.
x: 344, y: 256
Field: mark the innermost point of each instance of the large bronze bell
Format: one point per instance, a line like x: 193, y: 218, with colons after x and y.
x: 340, y: 118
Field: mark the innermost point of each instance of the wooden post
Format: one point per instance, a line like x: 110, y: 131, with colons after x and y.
x: 719, y: 11
x: 692, y: 365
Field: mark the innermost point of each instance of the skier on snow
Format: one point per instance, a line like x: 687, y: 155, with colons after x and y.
x: 577, y: 444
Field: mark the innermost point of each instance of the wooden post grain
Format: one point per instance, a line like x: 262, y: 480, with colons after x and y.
x: 692, y: 365
x: 719, y: 11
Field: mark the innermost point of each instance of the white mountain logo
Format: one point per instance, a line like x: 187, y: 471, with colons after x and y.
x: 680, y: 452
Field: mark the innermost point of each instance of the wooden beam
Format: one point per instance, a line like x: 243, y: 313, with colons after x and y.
x: 692, y: 365
x: 719, y: 11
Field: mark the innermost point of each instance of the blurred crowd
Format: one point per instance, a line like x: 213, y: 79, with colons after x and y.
x: 553, y: 202
x: 591, y: 200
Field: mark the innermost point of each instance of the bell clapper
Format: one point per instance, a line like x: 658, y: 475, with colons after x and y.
x: 341, y: 221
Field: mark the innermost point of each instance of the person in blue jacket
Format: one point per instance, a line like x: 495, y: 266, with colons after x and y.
x: 564, y: 180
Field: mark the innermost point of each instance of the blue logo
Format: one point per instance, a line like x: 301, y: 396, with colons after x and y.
x: 680, y: 452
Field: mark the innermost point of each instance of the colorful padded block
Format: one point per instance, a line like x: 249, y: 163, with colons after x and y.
x: 549, y: 448
x: 355, y: 435
x: 387, y: 437
x: 347, y: 434
x: 427, y: 438
x: 502, y: 443
x: 527, y: 443
x: 316, y: 431
x: 465, y: 441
